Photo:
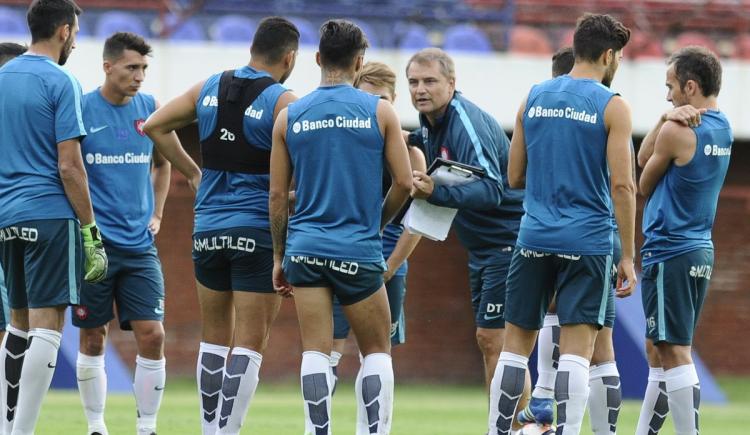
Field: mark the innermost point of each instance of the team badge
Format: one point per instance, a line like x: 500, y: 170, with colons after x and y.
x: 139, y: 126
x: 81, y: 312
x: 444, y: 153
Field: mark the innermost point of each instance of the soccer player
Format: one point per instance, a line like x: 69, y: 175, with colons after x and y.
x: 604, y: 379
x: 45, y: 200
x: 489, y: 210
x: 128, y: 198
x: 8, y: 51
x: 232, y: 249
x: 684, y: 170
x: 379, y: 79
x: 335, y: 143
x: 571, y: 142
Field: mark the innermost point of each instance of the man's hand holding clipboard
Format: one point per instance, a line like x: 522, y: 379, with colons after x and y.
x: 430, y: 220
x: 445, y: 173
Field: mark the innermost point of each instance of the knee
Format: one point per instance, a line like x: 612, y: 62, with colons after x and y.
x: 490, y: 341
x: 603, y: 352
x: 151, y: 342
x: 92, y: 341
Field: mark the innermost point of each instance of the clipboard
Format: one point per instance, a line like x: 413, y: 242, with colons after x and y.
x: 432, y: 221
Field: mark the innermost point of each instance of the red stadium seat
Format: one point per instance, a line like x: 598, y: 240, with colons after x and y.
x: 643, y: 45
x: 566, y: 39
x: 529, y: 40
x: 742, y: 46
x: 695, y: 38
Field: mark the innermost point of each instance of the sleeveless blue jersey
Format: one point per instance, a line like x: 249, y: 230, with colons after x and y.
x: 117, y: 155
x: 232, y: 199
x: 568, y: 202
x: 679, y: 214
x: 40, y: 106
x: 336, y: 150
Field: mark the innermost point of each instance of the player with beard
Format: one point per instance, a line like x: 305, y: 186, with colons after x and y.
x: 571, y: 150
x: 46, y: 205
x: 232, y: 250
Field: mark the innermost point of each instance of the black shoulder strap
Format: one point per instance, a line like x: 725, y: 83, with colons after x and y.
x: 227, y: 149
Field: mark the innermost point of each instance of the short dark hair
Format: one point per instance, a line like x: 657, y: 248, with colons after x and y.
x: 10, y: 50
x: 274, y: 38
x: 45, y: 16
x: 116, y: 44
x: 597, y: 33
x: 341, y: 41
x: 562, y: 61
x: 700, y: 65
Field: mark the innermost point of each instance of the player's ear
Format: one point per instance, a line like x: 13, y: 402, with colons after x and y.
x: 63, y: 32
x: 317, y: 57
x: 609, y: 56
x: 107, y: 66
x: 359, y: 63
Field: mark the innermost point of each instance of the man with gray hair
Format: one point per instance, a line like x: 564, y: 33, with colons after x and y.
x: 454, y: 128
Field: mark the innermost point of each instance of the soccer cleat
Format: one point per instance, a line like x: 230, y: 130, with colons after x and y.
x: 535, y: 429
x: 539, y: 411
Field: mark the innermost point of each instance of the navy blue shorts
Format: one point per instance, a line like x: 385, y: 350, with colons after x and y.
x: 673, y: 293
x: 609, y: 315
x: 42, y: 261
x: 350, y: 281
x: 396, y: 289
x: 134, y: 284
x: 234, y: 259
x: 580, y: 284
x: 487, y: 279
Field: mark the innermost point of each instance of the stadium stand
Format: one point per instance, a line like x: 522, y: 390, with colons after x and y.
x: 466, y: 37
x: 233, y: 28
x: 117, y: 21
x: 12, y: 22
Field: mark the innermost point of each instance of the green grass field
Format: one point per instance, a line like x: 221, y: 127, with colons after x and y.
x: 419, y: 410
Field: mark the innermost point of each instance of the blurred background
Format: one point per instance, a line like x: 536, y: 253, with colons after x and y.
x: 501, y: 48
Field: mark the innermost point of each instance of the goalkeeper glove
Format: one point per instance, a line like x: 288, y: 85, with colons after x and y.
x: 95, y: 267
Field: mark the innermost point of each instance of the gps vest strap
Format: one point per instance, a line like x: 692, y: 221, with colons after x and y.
x: 227, y: 149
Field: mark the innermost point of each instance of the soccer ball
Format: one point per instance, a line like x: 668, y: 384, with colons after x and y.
x: 535, y: 429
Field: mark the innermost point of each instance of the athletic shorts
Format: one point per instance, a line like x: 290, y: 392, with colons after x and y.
x: 42, y: 261
x: 673, y: 292
x: 234, y: 259
x: 5, y: 309
x: 580, y: 284
x: 134, y: 284
x: 396, y: 289
x: 487, y: 281
x: 350, y: 281
x: 609, y: 316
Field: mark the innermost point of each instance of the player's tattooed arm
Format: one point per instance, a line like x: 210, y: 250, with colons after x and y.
x: 161, y: 126
x: 517, y: 157
x: 278, y: 201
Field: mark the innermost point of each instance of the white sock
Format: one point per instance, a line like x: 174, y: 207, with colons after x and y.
x: 316, y: 392
x: 548, y: 355
x: 362, y: 424
x: 92, y: 386
x: 148, y: 386
x: 209, y: 376
x: 655, y: 405
x: 505, y: 391
x: 238, y: 389
x: 11, y: 359
x: 38, y: 368
x: 2, y: 375
x: 571, y: 393
x: 334, y: 363
x: 605, y: 398
x: 376, y: 393
x: 684, y: 393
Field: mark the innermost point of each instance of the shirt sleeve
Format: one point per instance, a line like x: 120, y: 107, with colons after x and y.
x: 473, y: 142
x: 68, y: 109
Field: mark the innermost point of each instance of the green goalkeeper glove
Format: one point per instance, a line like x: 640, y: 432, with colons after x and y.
x: 95, y: 267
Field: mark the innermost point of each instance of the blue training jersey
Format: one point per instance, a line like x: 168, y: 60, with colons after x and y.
x: 40, y: 107
x: 679, y: 214
x: 232, y: 199
x: 117, y: 155
x: 568, y: 204
x: 336, y: 150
